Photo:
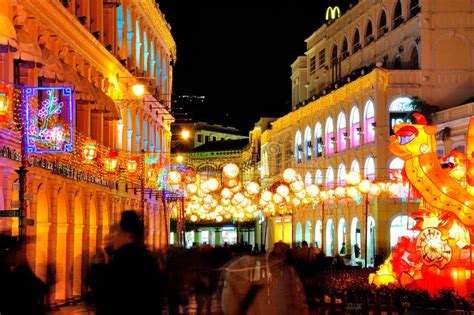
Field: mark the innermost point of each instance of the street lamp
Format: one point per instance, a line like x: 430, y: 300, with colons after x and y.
x: 138, y: 89
x: 364, y: 187
x: 185, y: 134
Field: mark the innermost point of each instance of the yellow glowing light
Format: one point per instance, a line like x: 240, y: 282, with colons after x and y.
x: 192, y: 188
x: 352, y: 192
x: 238, y: 198
x: 267, y: 196
x: 393, y: 189
x: 301, y: 194
x: 296, y: 202
x: 252, y: 188
x: 297, y: 186
x: 185, y: 134
x: 237, y: 188
x: 132, y: 166
x: 174, y: 177
x: 283, y: 190
x: 212, y: 184
x: 353, y: 178
x: 179, y: 159
x: 194, y: 218
x: 312, y: 190
x: 138, y: 89
x: 290, y: 175
x: 340, y: 192
x: 364, y: 186
x: 231, y: 170
x: 219, y: 218
x: 89, y: 151
x: 323, y: 195
x: 226, y: 193
x: 277, y: 198
x: 375, y: 190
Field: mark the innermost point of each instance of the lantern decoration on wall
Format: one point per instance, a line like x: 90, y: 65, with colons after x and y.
x: 48, y: 113
x: 89, y: 151
x: 4, y: 104
x: 132, y: 166
x: 230, y: 170
x: 111, y: 162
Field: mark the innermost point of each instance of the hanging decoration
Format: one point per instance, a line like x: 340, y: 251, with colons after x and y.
x: 49, y: 119
x: 111, y: 162
x: 440, y: 256
x: 89, y: 151
x: 4, y: 103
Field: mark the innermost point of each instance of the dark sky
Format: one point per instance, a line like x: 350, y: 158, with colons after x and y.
x: 238, y: 54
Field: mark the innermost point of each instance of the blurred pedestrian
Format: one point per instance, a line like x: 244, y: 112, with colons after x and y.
x: 130, y: 282
x: 356, y: 250
x: 343, y: 250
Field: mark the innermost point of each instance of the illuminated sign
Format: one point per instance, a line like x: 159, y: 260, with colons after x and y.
x: 49, y: 119
x: 333, y: 13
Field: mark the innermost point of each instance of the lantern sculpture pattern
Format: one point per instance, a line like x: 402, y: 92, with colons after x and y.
x: 440, y: 256
x: 4, y: 104
x: 111, y: 162
x: 89, y: 151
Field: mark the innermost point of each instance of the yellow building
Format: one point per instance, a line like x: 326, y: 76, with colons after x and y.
x: 357, y: 79
x: 100, y: 49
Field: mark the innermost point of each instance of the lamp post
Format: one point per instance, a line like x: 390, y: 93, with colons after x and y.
x: 364, y: 187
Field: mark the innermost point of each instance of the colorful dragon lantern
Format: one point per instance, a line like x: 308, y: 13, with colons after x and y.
x: 440, y: 256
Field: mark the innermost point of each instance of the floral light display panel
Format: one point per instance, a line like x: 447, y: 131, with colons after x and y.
x: 441, y: 255
x: 49, y: 119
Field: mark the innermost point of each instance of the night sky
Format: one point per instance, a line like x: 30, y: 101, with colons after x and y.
x: 238, y: 54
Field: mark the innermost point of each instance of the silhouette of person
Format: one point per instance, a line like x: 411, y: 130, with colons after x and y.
x: 343, y: 250
x: 356, y: 250
x: 131, y: 280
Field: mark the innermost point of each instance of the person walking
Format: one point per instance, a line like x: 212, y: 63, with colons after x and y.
x: 356, y: 250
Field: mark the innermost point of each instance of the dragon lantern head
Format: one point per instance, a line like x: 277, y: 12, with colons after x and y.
x: 411, y: 140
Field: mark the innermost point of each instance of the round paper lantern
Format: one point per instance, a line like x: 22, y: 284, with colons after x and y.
x: 340, y: 192
x: 352, y: 192
x: 283, y: 190
x: 226, y: 193
x: 312, y: 190
x: 252, y: 188
x: 110, y: 162
x: 364, y: 186
x: 194, y: 218
x: 353, y: 178
x: 267, y: 196
x: 230, y: 170
x: 89, y: 151
x: 174, y: 177
x: 297, y: 186
x: 375, y: 190
x: 192, y: 188
x: 212, y: 184
x: 132, y: 166
x: 219, y: 218
x: 290, y: 175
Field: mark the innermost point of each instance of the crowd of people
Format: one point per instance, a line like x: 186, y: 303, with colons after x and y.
x: 126, y: 278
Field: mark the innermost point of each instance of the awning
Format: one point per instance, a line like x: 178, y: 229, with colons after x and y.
x: 106, y: 104
x: 85, y: 91
x: 28, y: 49
x: 52, y: 67
x: 7, y: 33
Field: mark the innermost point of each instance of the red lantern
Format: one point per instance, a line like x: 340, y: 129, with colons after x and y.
x: 89, y: 151
x: 4, y: 104
x: 110, y: 162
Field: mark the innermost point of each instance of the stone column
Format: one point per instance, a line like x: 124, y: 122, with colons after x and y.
x: 218, y: 233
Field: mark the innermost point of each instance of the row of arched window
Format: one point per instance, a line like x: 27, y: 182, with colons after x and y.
x: 336, y: 138
x: 331, y: 178
x: 382, y: 28
x: 147, y: 52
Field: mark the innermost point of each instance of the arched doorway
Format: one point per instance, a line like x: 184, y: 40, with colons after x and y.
x: 42, y: 234
x: 77, y: 252
x: 329, y: 238
x: 355, y: 236
x: 307, y: 232
x: 299, y: 233
x: 105, y: 223
x: 61, y: 248
x: 92, y: 229
x: 318, y: 234
x: 371, y: 242
x: 401, y: 226
x: 341, y: 235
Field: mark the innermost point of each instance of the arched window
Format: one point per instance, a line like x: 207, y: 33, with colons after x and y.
x: 137, y: 133
x: 330, y: 178
x: 369, y: 168
x: 355, y: 166
x: 369, y: 122
x: 164, y: 77
x: 414, y: 62
x: 129, y: 35
x: 307, y: 143
x: 308, y: 179
x: 382, y: 29
x: 345, y: 48
x: 341, y: 175
x: 355, y: 127
x: 138, y: 44
x: 414, y: 8
x: 330, y: 139
x: 334, y: 55
x: 158, y: 66
x: 145, y: 52
x: 145, y: 135
x: 152, y: 59
x: 356, y: 42
x: 298, y: 148
x: 369, y: 37
x: 129, y: 129
x: 341, y: 132
x: 395, y: 168
x: 318, y: 139
x: 318, y: 177
x: 120, y: 22
x: 397, y: 15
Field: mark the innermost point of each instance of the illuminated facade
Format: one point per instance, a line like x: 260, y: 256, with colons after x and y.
x: 100, y: 49
x: 357, y: 79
